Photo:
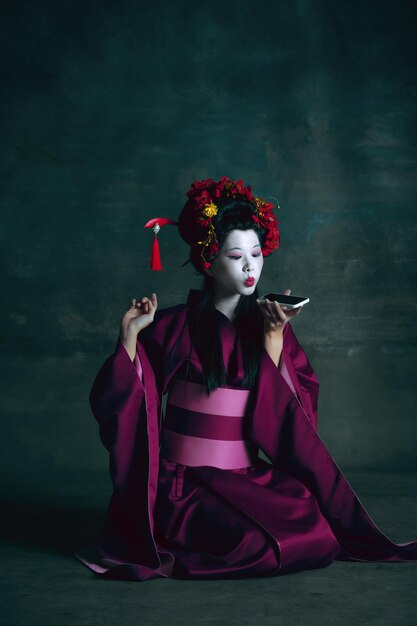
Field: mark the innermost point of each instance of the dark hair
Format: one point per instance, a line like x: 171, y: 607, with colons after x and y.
x: 202, y: 316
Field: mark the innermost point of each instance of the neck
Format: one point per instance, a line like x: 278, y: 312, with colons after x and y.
x: 225, y: 302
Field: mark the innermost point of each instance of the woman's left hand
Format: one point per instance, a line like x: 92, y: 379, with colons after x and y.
x: 276, y: 315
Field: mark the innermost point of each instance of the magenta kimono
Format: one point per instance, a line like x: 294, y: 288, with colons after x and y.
x: 186, y: 518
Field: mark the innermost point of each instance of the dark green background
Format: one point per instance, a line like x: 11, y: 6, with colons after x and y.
x: 111, y: 109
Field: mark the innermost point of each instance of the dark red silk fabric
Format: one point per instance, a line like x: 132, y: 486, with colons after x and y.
x: 166, y: 519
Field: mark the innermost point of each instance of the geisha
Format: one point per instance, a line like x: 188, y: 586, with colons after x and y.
x: 230, y: 479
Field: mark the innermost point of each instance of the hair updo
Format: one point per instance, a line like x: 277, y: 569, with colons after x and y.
x: 232, y: 214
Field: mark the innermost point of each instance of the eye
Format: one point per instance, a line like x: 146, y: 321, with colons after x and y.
x: 238, y: 257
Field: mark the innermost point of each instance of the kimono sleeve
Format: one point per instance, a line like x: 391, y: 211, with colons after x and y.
x: 121, y: 386
x: 285, y: 429
x: 296, y: 366
x: 125, y: 400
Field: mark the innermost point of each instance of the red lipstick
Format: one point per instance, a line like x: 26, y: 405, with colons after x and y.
x: 249, y: 282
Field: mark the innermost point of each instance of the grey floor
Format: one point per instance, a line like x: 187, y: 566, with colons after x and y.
x: 45, y: 518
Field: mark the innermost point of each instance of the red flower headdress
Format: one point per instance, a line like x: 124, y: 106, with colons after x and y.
x: 202, y: 200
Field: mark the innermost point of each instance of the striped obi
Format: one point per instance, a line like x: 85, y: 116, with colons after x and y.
x: 207, y: 430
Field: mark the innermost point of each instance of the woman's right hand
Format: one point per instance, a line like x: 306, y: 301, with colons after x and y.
x: 138, y: 316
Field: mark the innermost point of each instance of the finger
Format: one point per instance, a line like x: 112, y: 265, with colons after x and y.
x: 270, y: 310
x: 276, y: 315
x: 276, y: 308
x: 287, y: 292
x: 267, y: 311
x: 280, y: 313
x: 262, y: 306
x: 145, y: 304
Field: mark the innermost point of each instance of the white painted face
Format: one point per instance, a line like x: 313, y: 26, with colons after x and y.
x: 239, y: 257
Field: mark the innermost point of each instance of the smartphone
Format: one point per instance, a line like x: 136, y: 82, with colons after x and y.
x: 289, y: 302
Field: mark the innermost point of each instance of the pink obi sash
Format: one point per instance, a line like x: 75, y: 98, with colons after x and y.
x: 207, y: 430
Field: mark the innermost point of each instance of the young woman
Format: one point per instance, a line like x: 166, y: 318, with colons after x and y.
x: 191, y: 497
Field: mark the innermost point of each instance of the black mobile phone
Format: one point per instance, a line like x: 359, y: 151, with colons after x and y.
x: 290, y: 302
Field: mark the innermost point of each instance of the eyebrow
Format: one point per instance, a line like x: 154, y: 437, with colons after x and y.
x: 255, y: 246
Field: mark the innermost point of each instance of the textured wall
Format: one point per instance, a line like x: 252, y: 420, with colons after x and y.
x: 112, y: 109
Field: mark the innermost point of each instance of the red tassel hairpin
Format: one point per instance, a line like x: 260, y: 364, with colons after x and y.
x: 156, y: 223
